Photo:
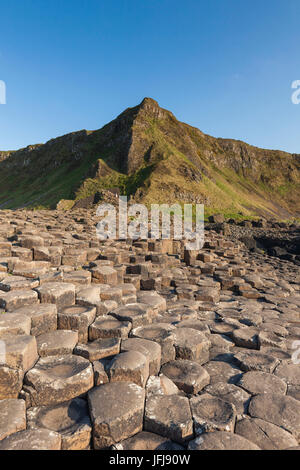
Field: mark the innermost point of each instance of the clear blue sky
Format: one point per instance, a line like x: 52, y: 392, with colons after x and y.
x: 225, y: 66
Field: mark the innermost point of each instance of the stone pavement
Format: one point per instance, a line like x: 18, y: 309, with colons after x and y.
x: 141, y: 344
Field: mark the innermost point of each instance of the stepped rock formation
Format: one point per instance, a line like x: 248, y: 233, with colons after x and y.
x: 142, y: 344
x: 149, y: 154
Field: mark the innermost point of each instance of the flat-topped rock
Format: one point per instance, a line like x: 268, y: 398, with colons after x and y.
x: 98, y: 349
x: 59, y: 293
x: 283, y: 411
x: 150, y: 349
x: 76, y: 318
x: 57, y: 343
x: 257, y: 382
x: 210, y: 413
x: 188, y: 376
x: 43, y: 317
x: 138, y: 314
x: 12, y: 417
x: 163, y: 334
x: 191, y: 344
x: 264, y: 434
x: 116, y: 411
x: 15, y: 299
x: 169, y: 416
x: 14, y: 324
x: 20, y: 351
x: 129, y: 366
x: 109, y: 327
x: 221, y: 440
x: 57, y: 379
x: 37, y: 439
x: 70, y: 419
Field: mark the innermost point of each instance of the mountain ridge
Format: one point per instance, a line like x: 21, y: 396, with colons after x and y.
x: 148, y: 153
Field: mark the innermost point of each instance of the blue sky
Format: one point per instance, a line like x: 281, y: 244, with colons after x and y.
x: 225, y: 66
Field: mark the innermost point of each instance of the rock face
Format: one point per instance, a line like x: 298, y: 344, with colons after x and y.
x: 141, y: 344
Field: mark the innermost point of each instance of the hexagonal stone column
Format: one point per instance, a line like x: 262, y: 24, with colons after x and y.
x: 21, y: 351
x: 60, y: 293
x: 12, y: 417
x: 283, y: 411
x: 36, y: 439
x: 169, y: 416
x: 70, y: 419
x: 77, y: 318
x: 109, y: 327
x: 266, y: 435
x: 150, y: 349
x: 189, y: 376
x: 163, y: 334
x: 116, y: 411
x: 129, y: 366
x: 191, y: 344
x: 14, y: 324
x: 221, y: 440
x: 98, y: 349
x: 56, y: 379
x: 11, y: 381
x: 57, y: 343
x: 14, y: 299
x: 137, y: 314
x: 212, y: 414
x: 43, y: 317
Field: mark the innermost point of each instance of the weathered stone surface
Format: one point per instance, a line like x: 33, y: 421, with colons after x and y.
x: 14, y: 324
x: 11, y: 283
x: 231, y: 394
x: 188, y: 376
x: 137, y: 314
x: 191, y: 344
x: 283, y: 411
x: 246, y: 337
x: 169, y: 416
x: 57, y: 343
x: 37, y: 439
x: 222, y: 372
x: 256, y: 382
x: 116, y: 411
x: 98, y: 349
x: 14, y: 299
x: 70, y: 419
x: 105, y: 275
x: 20, y: 351
x: 59, y: 293
x: 11, y: 381
x: 12, y: 417
x: 210, y: 413
x: 256, y: 360
x: 221, y: 440
x: 100, y: 376
x: 109, y: 327
x: 43, y: 318
x: 57, y: 379
x: 163, y: 334
x: 150, y: 349
x: 129, y: 366
x: 265, y: 435
x: 147, y: 441
x: 77, y: 318
x: 161, y: 385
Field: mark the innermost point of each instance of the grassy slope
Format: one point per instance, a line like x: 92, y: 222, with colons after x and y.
x: 147, y: 152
